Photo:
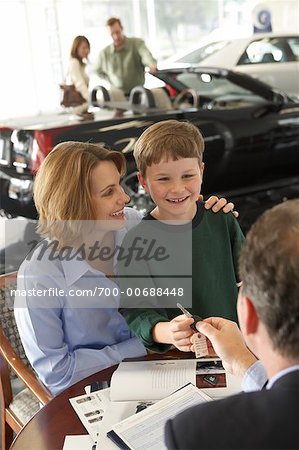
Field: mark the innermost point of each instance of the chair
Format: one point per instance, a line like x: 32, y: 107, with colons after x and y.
x: 15, y: 410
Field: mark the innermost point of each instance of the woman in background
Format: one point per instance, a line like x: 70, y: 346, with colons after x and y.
x: 77, y: 70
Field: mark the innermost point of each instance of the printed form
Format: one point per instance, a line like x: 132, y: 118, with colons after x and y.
x: 146, y: 429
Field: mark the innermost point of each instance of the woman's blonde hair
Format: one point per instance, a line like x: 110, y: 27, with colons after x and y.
x: 62, y: 187
x: 168, y: 140
x: 75, y: 45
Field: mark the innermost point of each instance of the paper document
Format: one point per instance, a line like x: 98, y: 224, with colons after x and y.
x: 78, y: 442
x: 145, y: 430
x: 98, y: 414
x: 151, y: 380
x: 91, y: 410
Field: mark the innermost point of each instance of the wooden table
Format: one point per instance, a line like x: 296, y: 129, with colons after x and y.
x: 48, y: 428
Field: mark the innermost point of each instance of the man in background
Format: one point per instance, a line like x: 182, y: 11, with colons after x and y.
x: 122, y: 63
x: 268, y: 312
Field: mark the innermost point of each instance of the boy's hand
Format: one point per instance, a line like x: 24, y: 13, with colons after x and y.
x: 176, y: 332
x: 180, y: 332
x: 217, y: 204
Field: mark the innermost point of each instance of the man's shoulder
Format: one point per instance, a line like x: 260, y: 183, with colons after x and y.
x: 134, y: 41
x: 254, y: 413
x: 107, y: 50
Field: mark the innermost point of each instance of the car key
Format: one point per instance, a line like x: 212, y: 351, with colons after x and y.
x: 188, y: 314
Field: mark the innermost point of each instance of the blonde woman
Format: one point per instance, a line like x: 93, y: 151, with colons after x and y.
x: 68, y: 320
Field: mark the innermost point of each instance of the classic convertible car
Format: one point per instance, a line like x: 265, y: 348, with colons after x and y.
x: 251, y: 134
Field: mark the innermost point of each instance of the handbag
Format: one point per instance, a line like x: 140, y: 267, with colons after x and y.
x: 70, y: 96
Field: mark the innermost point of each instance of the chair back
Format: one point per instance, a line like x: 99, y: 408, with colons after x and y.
x: 8, y: 283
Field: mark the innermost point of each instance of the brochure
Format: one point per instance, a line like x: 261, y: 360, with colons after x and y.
x: 151, y: 380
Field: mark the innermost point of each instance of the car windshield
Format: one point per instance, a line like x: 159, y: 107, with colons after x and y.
x: 201, y: 53
x: 212, y: 86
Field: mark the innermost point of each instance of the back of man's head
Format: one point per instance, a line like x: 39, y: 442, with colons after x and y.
x: 269, y: 269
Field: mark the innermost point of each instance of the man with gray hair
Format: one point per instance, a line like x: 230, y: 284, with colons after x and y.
x: 268, y: 312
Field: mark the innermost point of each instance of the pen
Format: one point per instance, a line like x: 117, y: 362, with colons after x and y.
x: 188, y: 314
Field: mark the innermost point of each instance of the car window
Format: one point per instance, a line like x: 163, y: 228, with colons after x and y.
x: 203, y: 52
x: 207, y: 84
x: 271, y: 50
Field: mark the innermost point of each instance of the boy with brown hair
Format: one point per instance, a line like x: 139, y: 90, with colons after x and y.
x: 169, y: 157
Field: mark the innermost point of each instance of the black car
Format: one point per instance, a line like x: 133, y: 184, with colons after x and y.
x: 251, y: 134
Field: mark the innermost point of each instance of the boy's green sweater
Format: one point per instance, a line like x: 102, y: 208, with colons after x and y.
x: 216, y: 243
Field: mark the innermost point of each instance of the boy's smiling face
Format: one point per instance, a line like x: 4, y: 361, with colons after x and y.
x: 174, y: 187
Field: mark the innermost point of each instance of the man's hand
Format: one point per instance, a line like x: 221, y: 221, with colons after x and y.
x: 228, y: 344
x: 217, y: 204
x: 176, y: 332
